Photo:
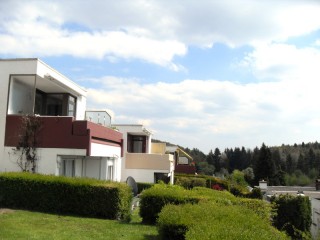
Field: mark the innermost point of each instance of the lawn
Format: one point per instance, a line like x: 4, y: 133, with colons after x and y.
x: 18, y: 224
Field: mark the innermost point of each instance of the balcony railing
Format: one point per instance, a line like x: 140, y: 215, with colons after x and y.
x: 63, y: 132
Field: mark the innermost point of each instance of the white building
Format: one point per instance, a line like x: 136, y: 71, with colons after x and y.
x: 67, y: 143
x: 140, y: 160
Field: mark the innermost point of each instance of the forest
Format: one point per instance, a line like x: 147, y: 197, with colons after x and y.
x: 290, y: 165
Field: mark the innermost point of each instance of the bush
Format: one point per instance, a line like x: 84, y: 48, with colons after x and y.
x: 292, y: 214
x: 80, y: 196
x: 210, y: 181
x: 143, y: 186
x: 208, y: 220
x: 155, y: 198
x: 190, y: 182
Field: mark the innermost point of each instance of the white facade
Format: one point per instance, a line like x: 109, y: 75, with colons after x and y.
x: 138, y: 161
x: 22, y: 77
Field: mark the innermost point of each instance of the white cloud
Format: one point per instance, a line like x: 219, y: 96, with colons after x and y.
x: 205, y: 114
x: 154, y: 31
x: 283, y: 61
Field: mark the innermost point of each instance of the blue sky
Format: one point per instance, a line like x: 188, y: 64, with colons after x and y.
x: 201, y: 74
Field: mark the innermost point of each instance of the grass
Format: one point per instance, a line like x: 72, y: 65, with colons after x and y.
x: 19, y: 224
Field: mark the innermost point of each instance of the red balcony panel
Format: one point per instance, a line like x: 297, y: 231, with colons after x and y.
x: 185, y: 169
x: 63, y: 132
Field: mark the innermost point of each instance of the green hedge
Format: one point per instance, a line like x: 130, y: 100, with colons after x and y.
x: 208, y: 220
x: 152, y: 200
x: 190, y: 182
x: 292, y: 214
x: 210, y: 181
x: 80, y: 196
x: 143, y: 186
x: 155, y: 198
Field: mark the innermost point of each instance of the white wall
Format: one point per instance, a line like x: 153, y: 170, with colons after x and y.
x: 7, y: 68
x: 141, y: 175
x: 47, y: 159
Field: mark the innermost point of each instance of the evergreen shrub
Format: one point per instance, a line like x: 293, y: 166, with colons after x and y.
x: 143, y: 186
x: 155, y: 198
x: 292, y: 214
x: 208, y: 220
x: 190, y: 182
x: 152, y: 200
x: 52, y: 194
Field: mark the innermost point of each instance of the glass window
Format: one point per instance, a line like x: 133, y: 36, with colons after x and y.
x: 54, y: 104
x: 68, y: 168
x: 21, y: 95
x: 136, y: 144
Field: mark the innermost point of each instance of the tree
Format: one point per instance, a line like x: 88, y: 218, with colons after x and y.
x: 217, y: 159
x: 289, y: 163
x: 265, y: 167
x: 28, y: 143
x: 248, y: 175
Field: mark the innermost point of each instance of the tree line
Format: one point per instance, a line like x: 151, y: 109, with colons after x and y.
x: 297, y: 164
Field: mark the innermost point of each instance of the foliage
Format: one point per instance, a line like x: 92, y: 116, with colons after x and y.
x: 298, y: 179
x: 237, y: 178
x: 190, y: 182
x: 87, y: 197
x: 208, y: 220
x: 205, y: 168
x: 29, y: 225
x: 143, y: 186
x: 28, y: 143
x: 210, y: 180
x: 155, y: 198
x: 293, y: 214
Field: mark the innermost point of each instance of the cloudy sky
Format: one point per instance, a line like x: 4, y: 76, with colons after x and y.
x: 198, y: 73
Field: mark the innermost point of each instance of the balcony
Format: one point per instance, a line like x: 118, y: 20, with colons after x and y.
x: 187, y: 169
x: 149, y: 161
x: 63, y: 132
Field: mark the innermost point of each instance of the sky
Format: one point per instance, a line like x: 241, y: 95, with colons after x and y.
x: 203, y: 74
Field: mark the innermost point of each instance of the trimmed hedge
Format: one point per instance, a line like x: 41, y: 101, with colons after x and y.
x: 80, y: 196
x: 152, y: 200
x: 190, y: 182
x: 292, y: 214
x: 208, y: 220
x: 210, y: 181
x: 155, y: 198
x: 143, y: 186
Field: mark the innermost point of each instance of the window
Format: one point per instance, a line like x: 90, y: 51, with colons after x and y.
x: 110, y: 173
x: 137, y: 144
x: 68, y: 168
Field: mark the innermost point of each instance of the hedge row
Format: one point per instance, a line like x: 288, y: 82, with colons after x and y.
x: 143, y: 186
x: 292, y: 214
x: 79, y: 196
x: 208, y: 220
x: 154, y: 199
x: 211, y: 182
x: 190, y: 181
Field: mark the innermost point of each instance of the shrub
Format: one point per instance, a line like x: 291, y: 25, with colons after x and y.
x: 155, y: 198
x: 292, y: 214
x: 190, y: 182
x: 143, y: 186
x: 210, y: 181
x: 208, y: 220
x: 80, y: 196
